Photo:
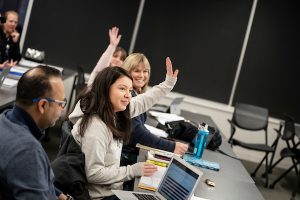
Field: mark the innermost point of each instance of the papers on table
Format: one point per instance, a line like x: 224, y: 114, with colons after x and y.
x: 28, y: 63
x: 160, y: 158
x: 152, y: 182
x: 17, y: 71
x: 10, y: 82
x: 156, y: 131
x: 165, y: 117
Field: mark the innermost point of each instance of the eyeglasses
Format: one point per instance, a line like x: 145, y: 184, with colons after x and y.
x: 59, y: 102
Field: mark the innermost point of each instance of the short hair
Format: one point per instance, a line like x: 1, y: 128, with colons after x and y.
x: 10, y: 12
x: 133, y: 61
x: 35, y: 84
x: 96, y: 101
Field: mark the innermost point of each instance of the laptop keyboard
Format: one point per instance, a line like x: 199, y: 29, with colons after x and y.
x: 144, y: 196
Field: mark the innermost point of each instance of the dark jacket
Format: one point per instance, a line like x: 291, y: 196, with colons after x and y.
x: 69, y: 168
x: 140, y: 134
x: 8, y: 48
x: 25, y: 171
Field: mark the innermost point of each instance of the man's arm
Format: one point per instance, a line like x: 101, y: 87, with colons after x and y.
x: 30, y: 176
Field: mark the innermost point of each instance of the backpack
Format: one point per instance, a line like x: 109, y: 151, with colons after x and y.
x: 186, y: 131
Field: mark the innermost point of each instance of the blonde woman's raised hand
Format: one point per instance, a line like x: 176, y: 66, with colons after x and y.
x: 169, y: 68
x: 114, y: 36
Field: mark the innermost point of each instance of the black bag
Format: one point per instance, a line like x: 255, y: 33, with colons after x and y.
x: 214, y: 138
x: 186, y: 131
x: 69, y: 169
x: 181, y: 130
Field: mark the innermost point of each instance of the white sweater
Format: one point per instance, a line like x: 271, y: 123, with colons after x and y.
x: 102, y: 152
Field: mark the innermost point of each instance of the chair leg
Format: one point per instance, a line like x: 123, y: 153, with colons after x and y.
x: 295, y: 165
x: 280, y: 177
x: 265, y: 174
x: 266, y: 171
x: 271, y: 167
x: 296, y: 188
x: 253, y: 174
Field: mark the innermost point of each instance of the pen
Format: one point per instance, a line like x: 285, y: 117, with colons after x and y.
x: 157, y: 163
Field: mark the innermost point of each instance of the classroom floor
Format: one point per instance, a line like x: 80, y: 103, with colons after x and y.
x: 282, y: 190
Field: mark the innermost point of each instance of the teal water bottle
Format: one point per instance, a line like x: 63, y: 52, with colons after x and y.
x: 200, y: 142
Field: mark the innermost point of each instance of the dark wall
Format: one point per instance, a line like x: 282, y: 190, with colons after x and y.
x: 74, y: 32
x: 270, y: 74
x: 203, y: 38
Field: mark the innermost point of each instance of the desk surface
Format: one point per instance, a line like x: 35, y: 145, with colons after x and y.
x: 232, y: 181
x: 8, y: 94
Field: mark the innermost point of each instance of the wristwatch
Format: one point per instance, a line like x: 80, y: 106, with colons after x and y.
x: 69, y: 197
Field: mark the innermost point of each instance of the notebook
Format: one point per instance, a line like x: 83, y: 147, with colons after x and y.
x: 178, y: 182
x: 3, y: 75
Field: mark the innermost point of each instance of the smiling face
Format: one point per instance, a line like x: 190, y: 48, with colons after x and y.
x: 140, y: 76
x: 138, y: 67
x: 120, y: 93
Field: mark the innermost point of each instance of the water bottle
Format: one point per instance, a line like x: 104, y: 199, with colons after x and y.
x: 200, y: 142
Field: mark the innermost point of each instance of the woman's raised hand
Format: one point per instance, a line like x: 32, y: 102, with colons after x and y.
x: 169, y: 67
x: 114, y: 36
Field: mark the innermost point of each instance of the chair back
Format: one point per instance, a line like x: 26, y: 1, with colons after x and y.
x: 77, y: 87
x: 250, y: 117
x: 289, y: 128
x: 66, y: 128
x: 253, y: 118
x: 80, y: 83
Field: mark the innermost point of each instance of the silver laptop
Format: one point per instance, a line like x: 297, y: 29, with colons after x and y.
x: 3, y: 74
x: 178, y: 182
x: 174, y: 108
x: 167, y: 108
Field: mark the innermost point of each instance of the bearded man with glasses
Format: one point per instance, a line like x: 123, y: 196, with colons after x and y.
x: 25, y: 171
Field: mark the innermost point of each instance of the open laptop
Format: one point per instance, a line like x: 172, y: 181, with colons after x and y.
x: 178, y: 182
x: 3, y: 74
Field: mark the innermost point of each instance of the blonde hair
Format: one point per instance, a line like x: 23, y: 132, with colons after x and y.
x: 12, y: 12
x: 133, y: 61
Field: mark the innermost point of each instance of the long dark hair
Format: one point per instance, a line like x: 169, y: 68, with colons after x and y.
x: 96, y: 101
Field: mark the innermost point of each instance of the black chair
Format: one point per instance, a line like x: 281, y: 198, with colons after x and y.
x: 252, y: 118
x: 296, y: 188
x: 78, y: 85
x: 291, y: 151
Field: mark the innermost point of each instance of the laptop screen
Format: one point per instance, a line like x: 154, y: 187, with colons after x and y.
x: 178, y: 182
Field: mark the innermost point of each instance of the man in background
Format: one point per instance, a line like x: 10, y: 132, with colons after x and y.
x: 25, y: 171
x: 9, y: 37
